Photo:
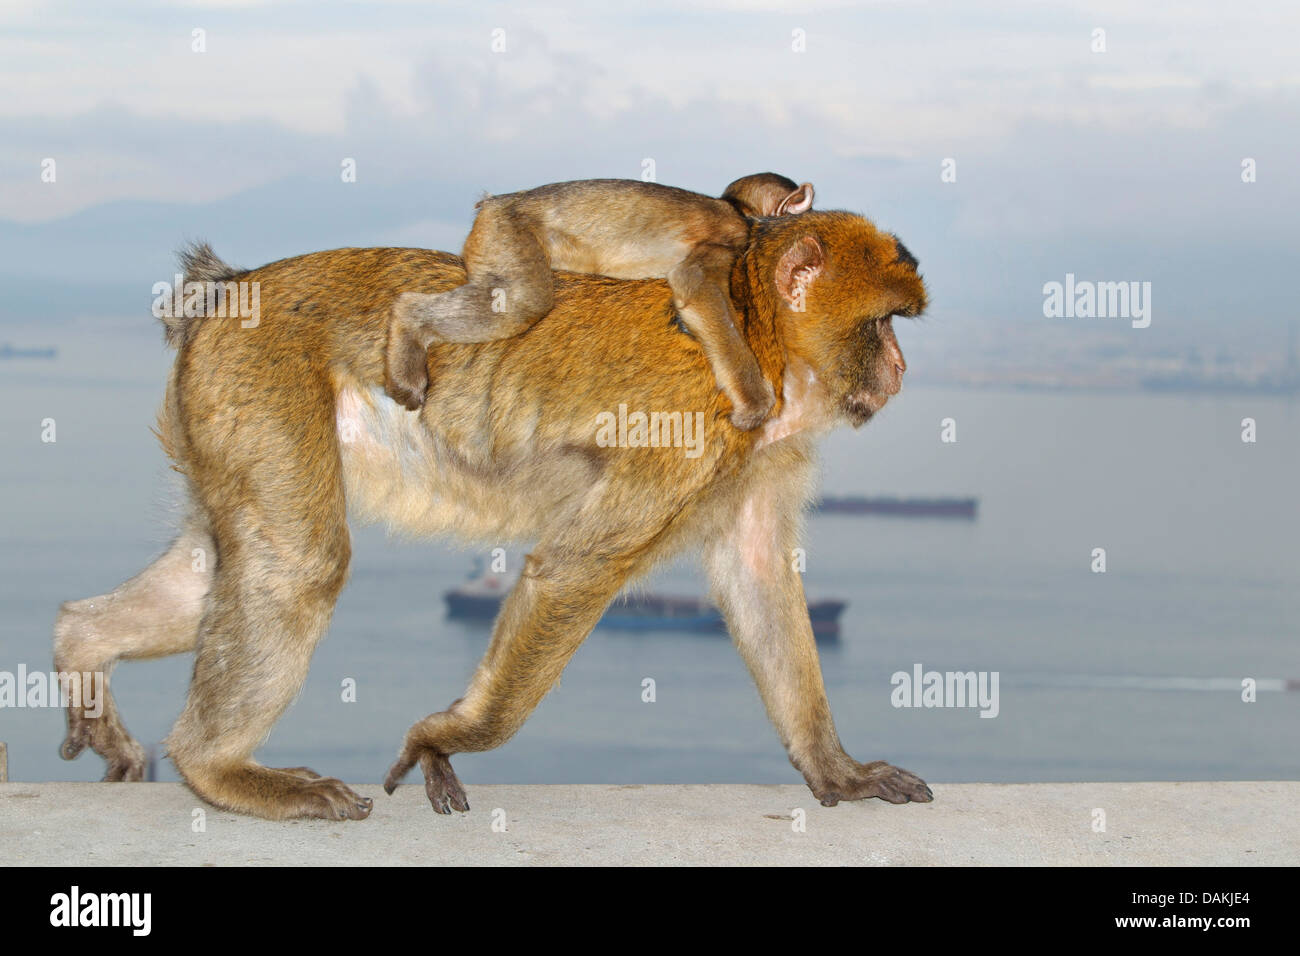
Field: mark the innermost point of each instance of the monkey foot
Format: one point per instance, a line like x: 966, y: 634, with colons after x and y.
x: 876, y: 779
x: 122, y: 753
x: 440, y: 783
x: 409, y: 396
x: 406, y: 362
x: 406, y: 389
x: 292, y: 793
x: 325, y: 798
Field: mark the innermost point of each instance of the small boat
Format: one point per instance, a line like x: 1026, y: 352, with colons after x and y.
x: 901, y: 507
x: 479, y: 599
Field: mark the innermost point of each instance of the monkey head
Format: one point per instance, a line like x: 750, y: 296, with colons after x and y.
x: 835, y: 284
x: 768, y: 194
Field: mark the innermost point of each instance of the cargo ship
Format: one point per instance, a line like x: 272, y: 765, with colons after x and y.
x: 480, y: 597
x: 966, y: 508
x: 7, y: 351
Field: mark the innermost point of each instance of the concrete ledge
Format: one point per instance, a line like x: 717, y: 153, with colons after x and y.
x: 149, y: 824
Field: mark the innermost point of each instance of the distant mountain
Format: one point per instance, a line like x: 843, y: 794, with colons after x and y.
x: 104, y: 260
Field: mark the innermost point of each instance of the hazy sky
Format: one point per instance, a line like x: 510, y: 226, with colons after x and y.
x: 1126, y: 162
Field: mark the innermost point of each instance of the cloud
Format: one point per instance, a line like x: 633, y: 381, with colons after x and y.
x: 1127, y: 161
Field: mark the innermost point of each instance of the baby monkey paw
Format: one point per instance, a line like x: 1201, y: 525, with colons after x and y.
x: 406, y: 376
x: 753, y: 405
x: 406, y: 368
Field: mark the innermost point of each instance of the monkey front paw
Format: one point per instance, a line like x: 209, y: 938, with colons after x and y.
x: 440, y: 783
x: 876, y: 779
x: 753, y: 407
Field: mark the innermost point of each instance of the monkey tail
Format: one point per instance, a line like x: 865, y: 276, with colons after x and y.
x: 199, y: 264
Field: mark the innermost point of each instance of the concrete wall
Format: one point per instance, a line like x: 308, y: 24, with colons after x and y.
x: 147, y: 824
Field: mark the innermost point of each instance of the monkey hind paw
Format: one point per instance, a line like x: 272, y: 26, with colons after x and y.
x: 441, y: 785
x: 124, y: 758
x: 406, y: 371
x: 272, y: 793
x: 312, y: 796
x: 328, y: 799
x: 408, y: 394
x: 877, y: 779
x: 408, y: 397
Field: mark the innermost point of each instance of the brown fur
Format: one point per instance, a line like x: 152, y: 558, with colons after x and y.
x: 279, y: 426
x: 622, y: 228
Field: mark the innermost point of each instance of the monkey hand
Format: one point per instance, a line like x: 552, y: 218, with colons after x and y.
x: 440, y: 784
x: 876, y: 779
x: 754, y: 401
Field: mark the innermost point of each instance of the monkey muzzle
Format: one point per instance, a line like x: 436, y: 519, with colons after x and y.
x: 859, y: 406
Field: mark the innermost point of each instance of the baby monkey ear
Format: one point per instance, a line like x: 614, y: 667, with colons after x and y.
x: 800, y: 200
x: 768, y: 194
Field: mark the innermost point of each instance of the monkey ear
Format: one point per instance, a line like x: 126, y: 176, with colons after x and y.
x: 798, y: 267
x: 800, y: 200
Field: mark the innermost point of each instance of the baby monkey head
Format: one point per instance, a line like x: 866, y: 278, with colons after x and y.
x: 837, y: 283
x: 768, y: 194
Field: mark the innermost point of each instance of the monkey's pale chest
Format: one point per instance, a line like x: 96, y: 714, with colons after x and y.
x: 450, y: 478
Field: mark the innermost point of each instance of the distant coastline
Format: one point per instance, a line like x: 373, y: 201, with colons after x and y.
x: 1189, y: 385
x: 899, y: 507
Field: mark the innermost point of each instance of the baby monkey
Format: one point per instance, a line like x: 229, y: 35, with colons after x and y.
x: 622, y: 228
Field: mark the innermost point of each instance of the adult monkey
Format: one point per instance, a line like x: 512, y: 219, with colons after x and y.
x: 621, y: 228
x: 277, y: 427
